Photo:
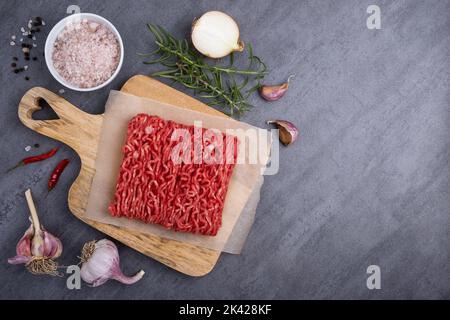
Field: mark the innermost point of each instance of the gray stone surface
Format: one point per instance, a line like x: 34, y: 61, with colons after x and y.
x: 367, y: 183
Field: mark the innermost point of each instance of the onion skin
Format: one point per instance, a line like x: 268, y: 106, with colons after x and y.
x: 288, y: 131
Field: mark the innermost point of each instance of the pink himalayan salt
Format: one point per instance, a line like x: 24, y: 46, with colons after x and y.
x: 86, y: 53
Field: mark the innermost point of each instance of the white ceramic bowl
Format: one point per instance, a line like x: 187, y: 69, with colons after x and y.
x: 51, y: 38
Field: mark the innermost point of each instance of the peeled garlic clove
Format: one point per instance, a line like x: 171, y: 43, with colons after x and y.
x: 288, y: 131
x: 273, y: 93
x: 215, y: 34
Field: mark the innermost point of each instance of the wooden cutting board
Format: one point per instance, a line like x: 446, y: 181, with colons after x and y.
x: 81, y: 131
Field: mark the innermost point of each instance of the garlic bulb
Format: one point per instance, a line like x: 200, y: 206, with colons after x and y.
x: 38, y: 248
x: 216, y: 35
x: 36, y: 244
x: 100, y: 262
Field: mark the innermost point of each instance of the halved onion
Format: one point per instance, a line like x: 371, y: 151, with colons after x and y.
x: 215, y: 34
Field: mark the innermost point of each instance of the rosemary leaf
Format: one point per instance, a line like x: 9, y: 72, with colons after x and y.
x: 222, y: 85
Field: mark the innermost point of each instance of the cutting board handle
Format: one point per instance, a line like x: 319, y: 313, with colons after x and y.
x: 74, y: 127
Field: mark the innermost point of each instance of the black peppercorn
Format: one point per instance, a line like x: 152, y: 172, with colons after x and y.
x: 15, y: 59
x: 36, y: 145
x: 34, y: 58
x: 27, y: 78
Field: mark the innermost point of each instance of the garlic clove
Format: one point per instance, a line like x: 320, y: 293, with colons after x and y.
x: 215, y: 34
x: 273, y: 93
x: 52, y: 246
x: 37, y: 244
x: 23, y: 247
x: 288, y: 131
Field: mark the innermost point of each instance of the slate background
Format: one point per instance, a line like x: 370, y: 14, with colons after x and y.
x: 367, y: 183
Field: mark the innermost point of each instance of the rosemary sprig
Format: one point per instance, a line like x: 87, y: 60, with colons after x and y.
x: 220, y: 85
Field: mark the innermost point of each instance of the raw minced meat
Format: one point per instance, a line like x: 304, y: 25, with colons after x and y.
x: 178, y: 195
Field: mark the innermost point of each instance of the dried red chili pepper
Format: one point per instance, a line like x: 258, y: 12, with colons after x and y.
x: 37, y: 158
x: 56, y: 173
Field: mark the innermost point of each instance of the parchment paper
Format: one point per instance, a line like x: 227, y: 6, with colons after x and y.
x: 243, y: 191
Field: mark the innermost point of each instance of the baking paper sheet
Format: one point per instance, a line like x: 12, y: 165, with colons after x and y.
x: 243, y: 192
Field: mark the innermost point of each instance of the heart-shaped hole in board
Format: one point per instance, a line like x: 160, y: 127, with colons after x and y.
x: 46, y: 112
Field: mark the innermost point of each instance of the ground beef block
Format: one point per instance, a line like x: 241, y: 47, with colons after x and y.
x: 178, y: 195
